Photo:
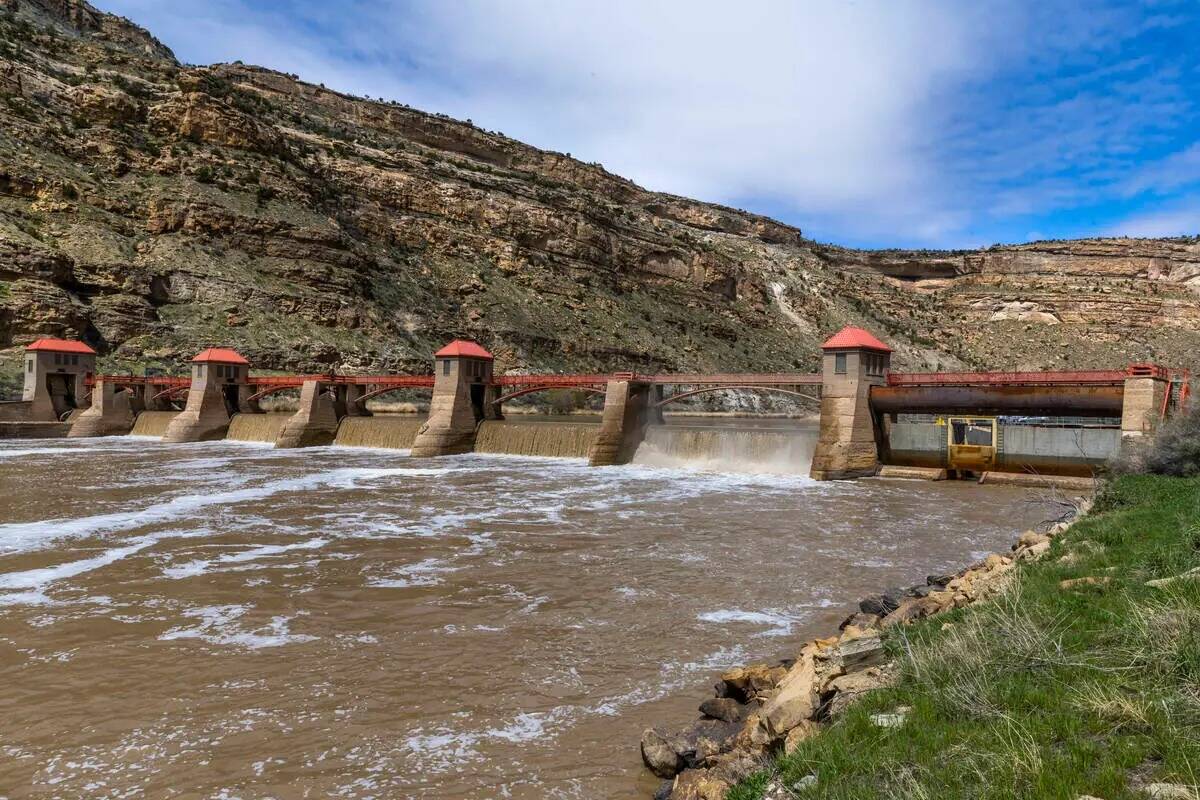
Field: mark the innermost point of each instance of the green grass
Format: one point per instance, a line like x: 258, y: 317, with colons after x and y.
x: 1043, y: 692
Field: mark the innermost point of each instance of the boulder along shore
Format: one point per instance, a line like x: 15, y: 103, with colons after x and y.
x: 762, y: 709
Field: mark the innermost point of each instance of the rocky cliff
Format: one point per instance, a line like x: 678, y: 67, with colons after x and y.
x: 153, y: 208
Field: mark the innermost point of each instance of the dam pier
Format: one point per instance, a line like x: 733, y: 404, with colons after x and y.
x: 1011, y: 426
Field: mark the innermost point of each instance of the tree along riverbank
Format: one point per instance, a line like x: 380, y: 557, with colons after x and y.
x: 1068, y: 669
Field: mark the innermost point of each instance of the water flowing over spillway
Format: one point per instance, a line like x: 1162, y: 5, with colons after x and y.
x: 256, y: 427
x: 355, y: 623
x: 783, y: 450
x: 391, y: 432
x: 527, y: 438
x: 152, y: 423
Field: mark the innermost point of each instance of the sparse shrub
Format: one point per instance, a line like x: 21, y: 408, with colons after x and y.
x: 1176, y: 449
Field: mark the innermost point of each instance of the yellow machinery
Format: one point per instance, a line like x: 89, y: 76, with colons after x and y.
x: 971, y: 443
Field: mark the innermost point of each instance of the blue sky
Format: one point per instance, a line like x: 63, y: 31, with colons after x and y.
x: 888, y: 123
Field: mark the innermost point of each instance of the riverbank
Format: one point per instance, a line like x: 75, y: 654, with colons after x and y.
x: 1076, y: 677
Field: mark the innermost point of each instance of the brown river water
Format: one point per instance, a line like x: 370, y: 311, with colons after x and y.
x: 225, y: 620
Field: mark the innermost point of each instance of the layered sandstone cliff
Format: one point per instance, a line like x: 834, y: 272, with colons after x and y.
x: 153, y: 208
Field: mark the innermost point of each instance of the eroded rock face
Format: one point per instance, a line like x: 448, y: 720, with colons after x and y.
x: 288, y: 218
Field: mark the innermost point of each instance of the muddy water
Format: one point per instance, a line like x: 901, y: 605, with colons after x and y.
x: 227, y: 620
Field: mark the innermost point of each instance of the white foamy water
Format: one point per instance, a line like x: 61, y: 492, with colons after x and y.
x: 24, y: 536
x: 223, y: 625
x: 354, y: 623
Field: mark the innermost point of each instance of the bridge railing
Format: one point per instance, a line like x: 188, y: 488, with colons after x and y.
x: 384, y: 380
x: 546, y: 379
x: 682, y: 379
x: 285, y: 380
x: 359, y: 380
x: 1071, y: 378
x: 140, y: 380
x: 734, y: 379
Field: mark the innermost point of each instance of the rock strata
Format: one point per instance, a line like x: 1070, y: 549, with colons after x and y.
x: 762, y: 710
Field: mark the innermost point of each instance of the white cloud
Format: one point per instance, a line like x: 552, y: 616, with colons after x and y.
x: 877, y: 120
x: 828, y: 108
x: 1179, y: 221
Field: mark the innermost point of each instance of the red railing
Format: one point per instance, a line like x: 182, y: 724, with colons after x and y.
x: 680, y: 379
x: 1076, y: 378
x: 384, y: 380
x: 734, y: 379
x: 284, y: 380
x: 557, y: 380
x: 140, y: 380
x: 358, y: 380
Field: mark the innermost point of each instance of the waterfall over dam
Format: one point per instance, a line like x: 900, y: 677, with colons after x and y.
x: 717, y: 444
x: 726, y: 448
x: 256, y: 427
x: 558, y: 439
x: 395, y: 432
x: 152, y: 423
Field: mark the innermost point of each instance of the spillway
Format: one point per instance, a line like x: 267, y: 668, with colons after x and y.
x: 256, y: 427
x: 395, y: 432
x: 728, y: 449
x: 152, y: 423
x: 560, y: 439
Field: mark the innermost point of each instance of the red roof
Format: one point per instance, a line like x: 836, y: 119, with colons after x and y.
x: 851, y: 337
x: 463, y: 349
x: 221, y: 355
x: 62, y: 346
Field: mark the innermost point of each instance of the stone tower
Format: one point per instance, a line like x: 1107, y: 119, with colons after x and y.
x: 219, y: 377
x: 853, y: 361
x: 56, y: 373
x: 462, y: 374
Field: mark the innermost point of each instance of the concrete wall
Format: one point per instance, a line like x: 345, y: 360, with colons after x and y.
x: 1022, y: 447
x: 1053, y: 449
x: 16, y: 411
x: 917, y: 444
x: 33, y: 430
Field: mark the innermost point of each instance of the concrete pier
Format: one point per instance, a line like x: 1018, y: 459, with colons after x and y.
x: 854, y: 361
x: 315, y: 423
x: 1146, y: 388
x: 217, y: 375
x: 462, y: 372
x: 627, y: 411
x: 110, y: 414
x: 348, y: 401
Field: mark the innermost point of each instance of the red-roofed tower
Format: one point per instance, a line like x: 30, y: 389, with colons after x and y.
x: 56, y: 371
x: 848, y: 447
x: 220, y: 385
x: 461, y: 400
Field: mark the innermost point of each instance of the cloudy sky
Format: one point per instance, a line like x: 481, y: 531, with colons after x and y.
x: 919, y: 124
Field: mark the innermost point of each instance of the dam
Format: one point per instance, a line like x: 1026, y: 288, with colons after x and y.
x: 872, y: 421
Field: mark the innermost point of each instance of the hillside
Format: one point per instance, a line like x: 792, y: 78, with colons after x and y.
x: 154, y: 208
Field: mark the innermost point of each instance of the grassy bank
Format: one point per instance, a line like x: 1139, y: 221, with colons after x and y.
x: 1049, y: 691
